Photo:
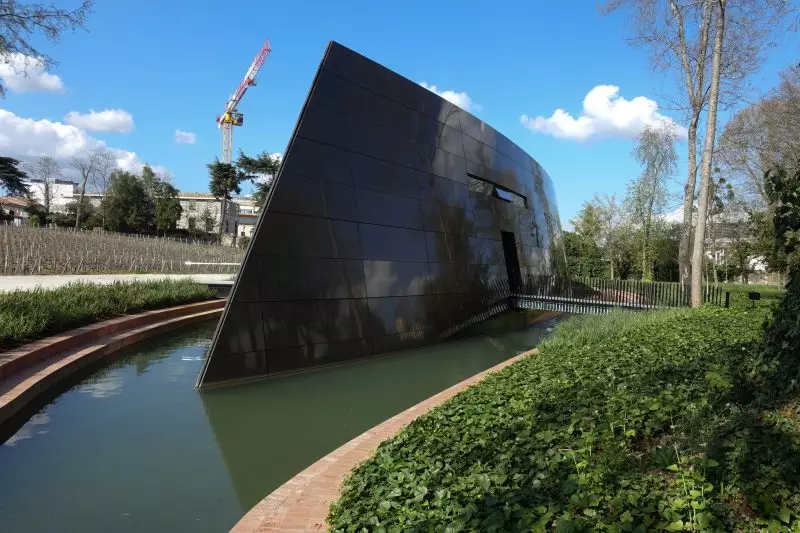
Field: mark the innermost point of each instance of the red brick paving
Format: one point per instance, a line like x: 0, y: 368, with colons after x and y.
x: 301, y: 504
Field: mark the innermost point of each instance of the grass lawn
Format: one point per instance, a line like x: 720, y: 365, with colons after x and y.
x: 29, y: 315
x: 769, y: 294
x: 670, y: 420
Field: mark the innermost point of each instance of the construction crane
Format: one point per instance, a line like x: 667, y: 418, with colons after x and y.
x: 232, y: 117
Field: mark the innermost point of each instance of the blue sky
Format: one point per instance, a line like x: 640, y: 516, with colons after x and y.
x: 172, y: 65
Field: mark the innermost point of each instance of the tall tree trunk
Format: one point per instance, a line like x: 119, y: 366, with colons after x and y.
x: 645, y: 239
x: 222, y: 218
x: 684, y: 253
x: 79, y: 208
x: 695, y: 88
x: 611, y: 260
x: 46, y: 191
x: 708, y: 153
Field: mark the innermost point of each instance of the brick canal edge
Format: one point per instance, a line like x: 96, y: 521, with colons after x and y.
x: 30, y: 372
x: 301, y: 504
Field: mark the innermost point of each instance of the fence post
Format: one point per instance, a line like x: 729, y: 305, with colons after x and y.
x: 727, y: 299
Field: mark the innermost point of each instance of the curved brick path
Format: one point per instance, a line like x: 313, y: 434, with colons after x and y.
x: 301, y: 504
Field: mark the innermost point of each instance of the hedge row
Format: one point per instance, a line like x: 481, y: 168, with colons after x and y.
x: 669, y: 420
x: 29, y: 315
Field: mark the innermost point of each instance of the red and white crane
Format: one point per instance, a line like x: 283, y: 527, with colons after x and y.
x: 232, y: 117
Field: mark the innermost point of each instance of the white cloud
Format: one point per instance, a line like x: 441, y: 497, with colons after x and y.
x: 113, y: 120
x: 605, y: 114
x: 26, y: 138
x: 26, y: 74
x: 461, y: 99
x: 676, y: 215
x: 185, y: 137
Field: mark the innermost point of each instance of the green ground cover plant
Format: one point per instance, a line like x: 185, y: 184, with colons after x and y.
x: 674, y: 420
x: 29, y: 315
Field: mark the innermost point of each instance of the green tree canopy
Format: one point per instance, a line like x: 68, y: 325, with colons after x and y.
x: 225, y: 179
x: 783, y: 190
x: 150, y: 180
x: 261, y: 170
x: 168, y: 207
x: 12, y: 177
x: 128, y: 207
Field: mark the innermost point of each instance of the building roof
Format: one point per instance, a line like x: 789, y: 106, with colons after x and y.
x: 197, y: 195
x: 243, y: 200
x: 57, y: 181
x: 14, y: 201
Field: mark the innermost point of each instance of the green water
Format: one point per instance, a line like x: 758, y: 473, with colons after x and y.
x: 133, y: 447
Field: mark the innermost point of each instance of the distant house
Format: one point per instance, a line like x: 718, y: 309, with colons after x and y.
x: 195, y: 204
x: 248, y: 215
x: 15, y: 208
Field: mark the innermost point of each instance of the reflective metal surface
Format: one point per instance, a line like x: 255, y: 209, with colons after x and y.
x: 375, y: 233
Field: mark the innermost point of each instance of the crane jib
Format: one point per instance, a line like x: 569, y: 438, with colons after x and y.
x: 231, y: 116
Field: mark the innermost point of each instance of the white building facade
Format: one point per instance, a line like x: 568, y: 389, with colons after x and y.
x: 61, y: 193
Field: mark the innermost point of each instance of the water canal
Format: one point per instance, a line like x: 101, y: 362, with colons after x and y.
x: 133, y: 446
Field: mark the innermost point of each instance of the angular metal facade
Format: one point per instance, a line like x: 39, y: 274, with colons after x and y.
x: 391, y: 210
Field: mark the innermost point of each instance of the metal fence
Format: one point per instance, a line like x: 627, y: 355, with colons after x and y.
x: 629, y: 294
x: 570, y: 295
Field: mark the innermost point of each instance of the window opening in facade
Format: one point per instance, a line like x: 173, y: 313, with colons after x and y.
x: 488, y: 188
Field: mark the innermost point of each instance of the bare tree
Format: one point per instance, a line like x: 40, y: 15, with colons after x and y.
x: 677, y: 36
x: 711, y: 46
x: 762, y: 136
x: 89, y: 166
x: 104, y: 165
x: 742, y: 29
x: 44, y: 171
x: 19, y: 22
x: 647, y: 195
x: 85, y: 167
x: 612, y: 219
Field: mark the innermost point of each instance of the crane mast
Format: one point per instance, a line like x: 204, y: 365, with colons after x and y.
x: 231, y: 116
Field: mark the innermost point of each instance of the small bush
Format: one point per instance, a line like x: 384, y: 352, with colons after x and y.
x: 29, y: 315
x: 628, y: 422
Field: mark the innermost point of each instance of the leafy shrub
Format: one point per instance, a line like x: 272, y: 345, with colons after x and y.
x: 627, y: 422
x: 29, y: 315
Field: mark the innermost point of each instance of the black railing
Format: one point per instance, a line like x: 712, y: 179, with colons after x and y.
x: 629, y: 294
x: 569, y: 295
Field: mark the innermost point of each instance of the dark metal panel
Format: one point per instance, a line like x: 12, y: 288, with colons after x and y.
x: 304, y: 236
x: 374, y: 174
x: 382, y: 243
x: 380, y: 208
x: 323, y: 161
x: 294, y: 278
x: 401, y: 314
x: 395, y: 278
x: 309, y: 355
x: 233, y: 366
x: 242, y: 331
x: 299, y: 323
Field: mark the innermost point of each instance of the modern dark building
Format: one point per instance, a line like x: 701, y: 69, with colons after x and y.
x: 392, y: 211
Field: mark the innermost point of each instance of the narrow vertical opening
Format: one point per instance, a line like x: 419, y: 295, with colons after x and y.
x: 512, y: 261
